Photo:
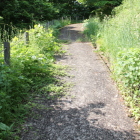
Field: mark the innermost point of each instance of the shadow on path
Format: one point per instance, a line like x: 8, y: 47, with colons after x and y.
x: 71, y: 124
x: 92, y: 114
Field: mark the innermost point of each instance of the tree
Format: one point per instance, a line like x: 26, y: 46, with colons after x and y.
x: 102, y: 6
x: 23, y: 13
x: 71, y: 8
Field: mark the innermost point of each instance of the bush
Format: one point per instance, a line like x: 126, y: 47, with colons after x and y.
x: 127, y: 68
x: 31, y: 66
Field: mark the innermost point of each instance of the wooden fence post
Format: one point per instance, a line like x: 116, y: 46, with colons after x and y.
x: 52, y: 22
x: 48, y: 24
x: 76, y: 18
x: 7, y: 53
x: 26, y: 38
x: 83, y: 18
x: 62, y: 19
x: 70, y: 18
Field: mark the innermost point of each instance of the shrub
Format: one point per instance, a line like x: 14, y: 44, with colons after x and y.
x: 31, y: 67
x: 127, y: 68
x: 92, y: 27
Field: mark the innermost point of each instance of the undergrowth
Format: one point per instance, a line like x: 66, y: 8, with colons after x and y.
x: 118, y: 39
x: 32, y: 71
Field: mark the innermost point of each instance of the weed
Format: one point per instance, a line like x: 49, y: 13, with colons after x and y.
x: 118, y: 38
x: 32, y: 71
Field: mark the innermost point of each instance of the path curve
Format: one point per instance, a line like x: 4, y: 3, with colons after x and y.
x: 93, y: 110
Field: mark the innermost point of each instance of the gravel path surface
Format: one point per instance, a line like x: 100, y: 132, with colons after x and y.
x: 93, y: 110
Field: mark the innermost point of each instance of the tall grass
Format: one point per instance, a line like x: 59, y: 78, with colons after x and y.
x: 119, y: 38
x: 92, y: 28
x: 121, y: 32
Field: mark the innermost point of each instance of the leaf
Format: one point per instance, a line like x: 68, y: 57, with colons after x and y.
x: 4, y: 127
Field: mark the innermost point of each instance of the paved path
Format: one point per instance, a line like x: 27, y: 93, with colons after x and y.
x: 93, y: 110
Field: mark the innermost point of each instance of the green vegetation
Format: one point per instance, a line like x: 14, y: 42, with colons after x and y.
x: 71, y: 8
x: 24, y: 13
x: 101, y: 7
x: 118, y: 38
x: 32, y: 71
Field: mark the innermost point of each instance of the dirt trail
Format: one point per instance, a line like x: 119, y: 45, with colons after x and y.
x: 93, y: 109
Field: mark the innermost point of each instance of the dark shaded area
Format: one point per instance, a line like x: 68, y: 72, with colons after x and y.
x: 73, y: 9
x: 71, y: 33
x: 24, y: 14
x: 71, y: 124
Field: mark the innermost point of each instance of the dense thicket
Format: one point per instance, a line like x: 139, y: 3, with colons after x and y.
x: 102, y: 7
x: 72, y: 8
x: 32, y: 72
x: 24, y: 13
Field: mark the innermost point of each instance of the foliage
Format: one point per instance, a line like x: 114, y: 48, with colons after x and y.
x: 100, y: 2
x: 118, y: 39
x: 103, y: 7
x: 91, y: 28
x: 61, y: 23
x: 26, y: 13
x: 71, y: 8
x: 32, y: 70
x: 120, y: 31
x: 128, y: 70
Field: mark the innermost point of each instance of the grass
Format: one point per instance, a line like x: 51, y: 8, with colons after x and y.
x: 118, y: 38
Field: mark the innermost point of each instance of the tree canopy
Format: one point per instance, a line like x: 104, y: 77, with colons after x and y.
x: 24, y: 13
x: 104, y: 6
x: 71, y: 8
x: 21, y: 12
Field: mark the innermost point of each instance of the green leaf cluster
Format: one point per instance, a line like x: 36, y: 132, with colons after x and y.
x: 71, y: 8
x: 31, y: 69
x: 102, y: 7
x: 91, y: 28
x: 127, y: 68
x: 23, y: 13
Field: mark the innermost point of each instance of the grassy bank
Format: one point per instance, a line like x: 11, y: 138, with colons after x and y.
x: 32, y: 71
x: 118, y: 38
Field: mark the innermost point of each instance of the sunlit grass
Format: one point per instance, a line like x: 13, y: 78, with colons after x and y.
x: 118, y: 37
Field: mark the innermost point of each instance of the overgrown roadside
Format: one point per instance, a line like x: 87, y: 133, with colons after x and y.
x: 93, y: 108
x: 117, y: 38
x: 31, y: 73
